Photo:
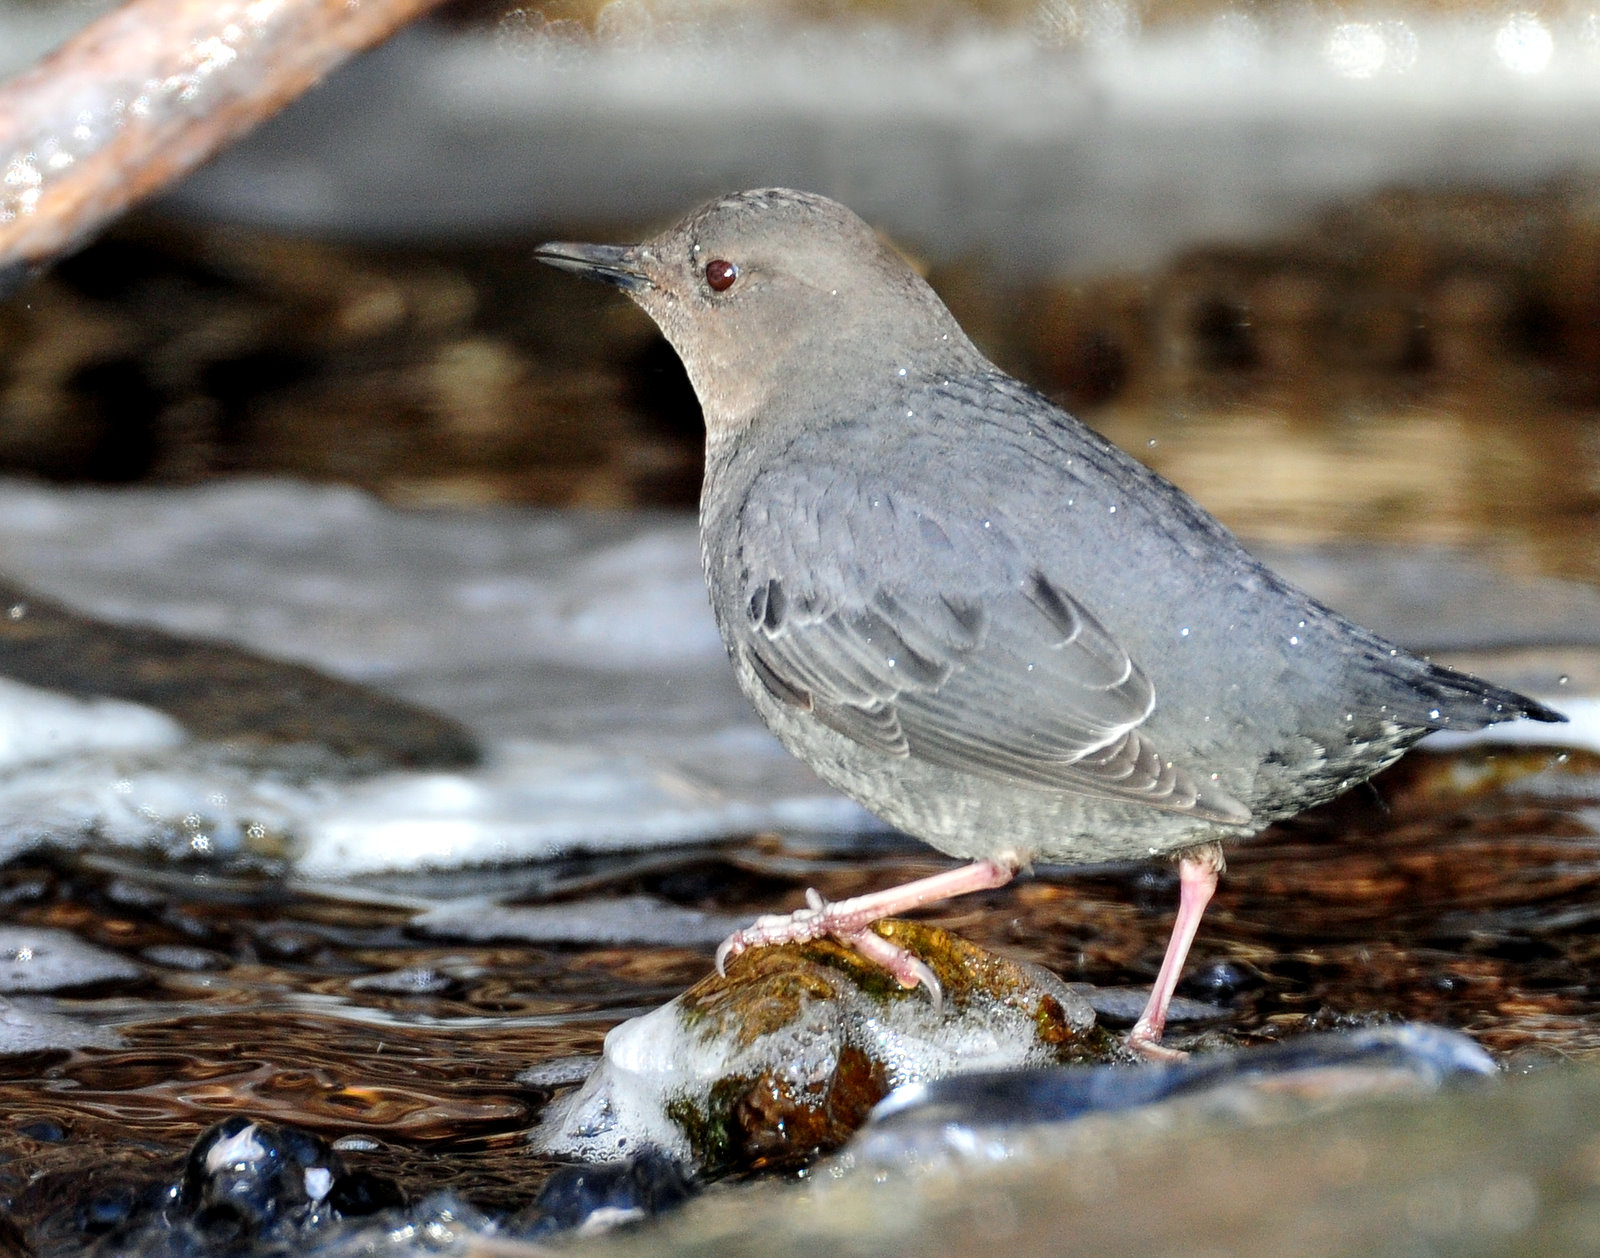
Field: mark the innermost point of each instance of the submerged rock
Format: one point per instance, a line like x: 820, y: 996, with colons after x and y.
x: 786, y: 1055
x: 246, y: 1187
x: 969, y: 1112
x: 596, y: 1198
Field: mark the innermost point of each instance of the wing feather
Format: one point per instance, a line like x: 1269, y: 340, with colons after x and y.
x: 916, y: 633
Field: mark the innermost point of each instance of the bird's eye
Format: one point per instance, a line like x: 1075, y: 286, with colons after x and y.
x: 720, y: 274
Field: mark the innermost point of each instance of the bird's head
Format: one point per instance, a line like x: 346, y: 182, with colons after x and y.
x: 773, y: 291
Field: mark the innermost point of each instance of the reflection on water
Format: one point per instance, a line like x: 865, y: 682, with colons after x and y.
x: 1459, y: 890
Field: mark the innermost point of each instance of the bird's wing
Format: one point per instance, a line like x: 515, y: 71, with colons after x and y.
x: 926, y: 631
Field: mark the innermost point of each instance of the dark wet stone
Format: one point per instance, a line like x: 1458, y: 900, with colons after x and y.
x: 1427, y: 1055
x: 604, y: 1195
x: 244, y: 1176
x: 1222, y: 980
x: 225, y: 693
x: 128, y: 894
x: 361, y: 1193
x: 109, y: 1208
x: 247, y: 1186
x: 183, y: 957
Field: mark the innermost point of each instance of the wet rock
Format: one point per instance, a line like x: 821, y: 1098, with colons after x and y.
x: 971, y: 1111
x: 38, y: 959
x: 559, y: 1072
x: 220, y: 692
x: 246, y: 1176
x: 786, y: 1055
x: 1488, y: 1171
x: 597, y: 1198
x: 247, y: 1186
x: 1124, y: 1004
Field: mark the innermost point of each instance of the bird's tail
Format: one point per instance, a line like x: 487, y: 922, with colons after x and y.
x: 1449, y: 699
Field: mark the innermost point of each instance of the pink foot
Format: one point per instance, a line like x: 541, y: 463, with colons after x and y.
x: 850, y: 921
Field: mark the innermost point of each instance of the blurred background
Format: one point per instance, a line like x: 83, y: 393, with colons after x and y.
x: 1333, y: 268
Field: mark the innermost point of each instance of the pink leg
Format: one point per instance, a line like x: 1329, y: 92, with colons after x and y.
x: 848, y: 920
x: 1198, y: 870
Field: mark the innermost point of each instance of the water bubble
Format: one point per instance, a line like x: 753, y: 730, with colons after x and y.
x: 1563, y: 680
x: 17, y: 611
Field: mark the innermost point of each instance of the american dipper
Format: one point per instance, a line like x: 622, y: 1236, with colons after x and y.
x: 969, y: 612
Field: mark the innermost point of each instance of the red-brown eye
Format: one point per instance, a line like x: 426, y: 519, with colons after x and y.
x: 720, y: 274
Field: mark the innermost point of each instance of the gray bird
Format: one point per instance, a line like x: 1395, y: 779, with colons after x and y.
x: 969, y: 612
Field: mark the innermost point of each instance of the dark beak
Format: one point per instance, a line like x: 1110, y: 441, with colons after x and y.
x: 610, y: 264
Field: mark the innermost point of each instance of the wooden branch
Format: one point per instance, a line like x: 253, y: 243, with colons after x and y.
x: 147, y: 93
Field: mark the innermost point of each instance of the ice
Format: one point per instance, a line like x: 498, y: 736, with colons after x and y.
x: 39, y: 959
x: 39, y: 726
x: 578, y: 648
x: 636, y: 919
x: 26, y: 1029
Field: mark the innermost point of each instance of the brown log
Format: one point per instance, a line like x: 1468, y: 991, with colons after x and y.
x: 148, y: 92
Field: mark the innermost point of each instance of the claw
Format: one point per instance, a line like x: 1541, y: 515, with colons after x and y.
x: 849, y: 921
x: 908, y: 971
x: 927, y: 979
